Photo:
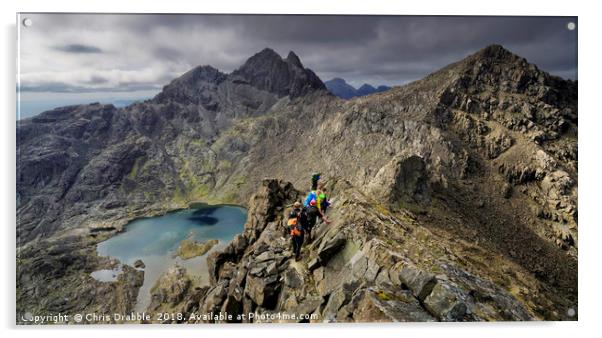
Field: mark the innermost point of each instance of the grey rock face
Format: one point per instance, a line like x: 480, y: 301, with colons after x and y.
x: 420, y: 282
x: 402, y: 179
x: 197, y: 86
x: 330, y: 247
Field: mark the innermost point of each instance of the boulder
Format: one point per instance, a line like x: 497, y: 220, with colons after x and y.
x: 404, y: 178
x: 330, y: 281
x: 497, y: 142
x: 307, y: 307
x: 215, y: 297
x: 337, y: 299
x: 263, y: 290
x: 266, y: 267
x: 215, y: 261
x: 420, y: 282
x: 314, y: 263
x: 330, y: 247
x: 371, y: 271
x: 292, y: 278
x: 383, y: 278
x: 238, y: 245
x: 378, y: 305
x: 233, y: 305
x: 170, y: 288
x: 446, y: 302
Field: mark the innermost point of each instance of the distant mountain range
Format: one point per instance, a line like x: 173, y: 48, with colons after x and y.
x: 342, y: 89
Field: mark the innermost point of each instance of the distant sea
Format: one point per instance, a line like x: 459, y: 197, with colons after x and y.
x: 31, y: 104
x: 32, y: 108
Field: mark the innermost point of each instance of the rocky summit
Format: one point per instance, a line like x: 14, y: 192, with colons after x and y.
x: 454, y: 197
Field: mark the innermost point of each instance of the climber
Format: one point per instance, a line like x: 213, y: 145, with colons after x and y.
x: 297, y: 223
x: 316, y: 197
x: 315, y: 177
x: 324, y: 201
x: 312, y: 213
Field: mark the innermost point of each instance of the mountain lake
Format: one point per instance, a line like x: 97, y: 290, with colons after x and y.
x: 155, y: 240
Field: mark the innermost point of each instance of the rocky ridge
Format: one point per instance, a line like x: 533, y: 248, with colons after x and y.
x: 369, y: 265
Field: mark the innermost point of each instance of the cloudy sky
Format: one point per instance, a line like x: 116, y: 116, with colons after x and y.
x: 77, y: 57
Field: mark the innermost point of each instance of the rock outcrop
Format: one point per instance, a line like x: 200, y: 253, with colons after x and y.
x: 190, y: 248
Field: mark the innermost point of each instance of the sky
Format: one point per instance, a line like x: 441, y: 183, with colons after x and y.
x: 68, y: 58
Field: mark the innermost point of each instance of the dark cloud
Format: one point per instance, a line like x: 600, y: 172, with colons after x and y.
x: 375, y: 49
x: 96, y: 79
x: 78, y: 48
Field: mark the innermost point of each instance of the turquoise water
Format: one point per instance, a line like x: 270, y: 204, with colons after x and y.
x: 155, y: 239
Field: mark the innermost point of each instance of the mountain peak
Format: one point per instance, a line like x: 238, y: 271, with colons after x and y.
x: 292, y: 58
x: 496, y: 52
x: 267, y: 70
x: 269, y: 56
x: 267, y: 53
x: 265, y: 58
x: 495, y: 69
x: 193, y: 86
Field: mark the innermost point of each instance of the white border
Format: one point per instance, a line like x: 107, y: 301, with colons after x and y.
x: 590, y: 121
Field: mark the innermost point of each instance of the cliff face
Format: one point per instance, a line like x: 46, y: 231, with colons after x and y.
x: 480, y: 156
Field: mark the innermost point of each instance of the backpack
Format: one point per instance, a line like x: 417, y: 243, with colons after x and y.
x: 312, y: 213
x: 296, y: 222
x: 310, y: 197
x: 293, y: 224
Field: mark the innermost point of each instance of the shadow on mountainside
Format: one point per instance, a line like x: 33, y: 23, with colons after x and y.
x: 503, y: 226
